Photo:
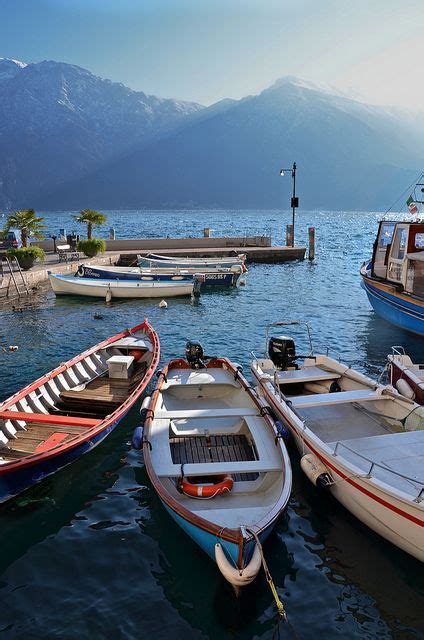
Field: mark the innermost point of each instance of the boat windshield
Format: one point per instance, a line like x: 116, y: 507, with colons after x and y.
x: 382, y: 248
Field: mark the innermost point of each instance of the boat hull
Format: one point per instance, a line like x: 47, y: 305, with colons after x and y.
x: 218, y: 279
x: 394, y: 518
x: 71, y: 285
x: 207, y: 541
x: 397, y: 308
x: 16, y: 482
x: 416, y: 385
x: 226, y: 263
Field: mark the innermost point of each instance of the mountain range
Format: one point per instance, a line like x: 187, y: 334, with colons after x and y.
x: 71, y: 140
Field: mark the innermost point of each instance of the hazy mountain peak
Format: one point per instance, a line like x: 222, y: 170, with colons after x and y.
x: 302, y: 83
x: 9, y: 68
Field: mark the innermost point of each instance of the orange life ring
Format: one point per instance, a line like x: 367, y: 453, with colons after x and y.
x: 223, y: 484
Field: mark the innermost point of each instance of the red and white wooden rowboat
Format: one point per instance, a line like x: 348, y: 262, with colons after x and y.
x: 70, y: 410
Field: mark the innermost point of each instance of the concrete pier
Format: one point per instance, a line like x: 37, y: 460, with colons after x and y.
x: 258, y: 249
x: 268, y: 255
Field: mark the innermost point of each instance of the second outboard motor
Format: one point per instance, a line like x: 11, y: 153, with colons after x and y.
x: 282, y: 351
x: 194, y: 354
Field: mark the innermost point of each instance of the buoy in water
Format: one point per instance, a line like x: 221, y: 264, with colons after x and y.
x: 242, y: 282
x: 316, y: 471
x: 13, y: 347
x: 163, y: 304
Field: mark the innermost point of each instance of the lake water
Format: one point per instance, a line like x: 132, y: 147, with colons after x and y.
x: 91, y: 553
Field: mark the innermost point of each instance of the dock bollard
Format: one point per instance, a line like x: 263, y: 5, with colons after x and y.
x: 311, y: 232
x: 289, y: 235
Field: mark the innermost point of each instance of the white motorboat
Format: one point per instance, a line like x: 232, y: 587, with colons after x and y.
x: 405, y: 375
x: 222, y: 277
x: 72, y: 285
x: 156, y: 260
x: 361, y: 440
x: 215, y: 459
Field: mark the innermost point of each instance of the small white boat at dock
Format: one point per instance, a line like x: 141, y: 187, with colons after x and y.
x: 361, y: 440
x: 156, y: 260
x: 95, y: 287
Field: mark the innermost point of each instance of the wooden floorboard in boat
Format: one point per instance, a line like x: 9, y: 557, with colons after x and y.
x: 235, y: 448
x: 214, y: 449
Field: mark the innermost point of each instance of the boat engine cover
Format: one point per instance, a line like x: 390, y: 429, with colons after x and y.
x: 282, y: 351
x: 194, y: 354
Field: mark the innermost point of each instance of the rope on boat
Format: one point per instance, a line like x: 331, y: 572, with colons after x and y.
x: 280, y: 606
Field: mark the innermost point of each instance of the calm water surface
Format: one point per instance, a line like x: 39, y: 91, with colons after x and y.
x: 90, y: 553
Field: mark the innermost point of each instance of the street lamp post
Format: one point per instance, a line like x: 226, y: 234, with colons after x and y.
x: 295, y: 199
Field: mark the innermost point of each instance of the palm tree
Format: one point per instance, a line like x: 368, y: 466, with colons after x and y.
x: 90, y: 218
x: 27, y: 222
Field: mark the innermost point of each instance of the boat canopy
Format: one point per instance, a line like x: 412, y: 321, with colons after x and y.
x: 399, y: 255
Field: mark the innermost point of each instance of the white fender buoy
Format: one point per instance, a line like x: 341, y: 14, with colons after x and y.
x: 13, y: 347
x: 404, y: 388
x: 316, y: 471
x: 238, y: 577
x: 108, y: 295
x: 163, y: 304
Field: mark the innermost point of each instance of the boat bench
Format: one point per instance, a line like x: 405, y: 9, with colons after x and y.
x: 308, y: 374
x: 322, y: 399
x: 48, y: 419
x: 217, y: 468
x: 207, y: 413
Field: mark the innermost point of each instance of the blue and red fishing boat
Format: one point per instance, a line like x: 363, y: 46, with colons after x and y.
x: 216, y: 460
x: 67, y: 412
x: 394, y: 278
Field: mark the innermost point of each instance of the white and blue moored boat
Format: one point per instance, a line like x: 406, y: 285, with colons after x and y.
x: 212, y: 277
x: 394, y: 278
x: 99, y: 288
x: 155, y: 260
x: 216, y: 460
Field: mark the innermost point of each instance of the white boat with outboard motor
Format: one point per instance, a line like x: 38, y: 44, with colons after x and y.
x: 156, y: 260
x: 213, y: 277
x: 96, y: 287
x: 405, y: 375
x: 361, y: 440
x: 216, y: 459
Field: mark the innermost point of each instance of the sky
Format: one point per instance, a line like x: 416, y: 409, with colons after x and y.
x: 207, y: 50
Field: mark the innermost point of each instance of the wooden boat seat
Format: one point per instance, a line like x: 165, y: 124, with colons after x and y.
x: 322, y: 399
x: 48, y: 419
x: 207, y: 413
x: 217, y: 468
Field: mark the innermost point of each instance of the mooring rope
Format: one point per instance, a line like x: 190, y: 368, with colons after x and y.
x: 280, y: 606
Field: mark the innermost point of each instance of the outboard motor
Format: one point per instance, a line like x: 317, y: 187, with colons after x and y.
x: 194, y: 354
x: 282, y: 351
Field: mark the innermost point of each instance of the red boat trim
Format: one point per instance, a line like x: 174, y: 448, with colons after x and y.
x: 231, y: 535
x: 381, y: 501
x: 32, y: 460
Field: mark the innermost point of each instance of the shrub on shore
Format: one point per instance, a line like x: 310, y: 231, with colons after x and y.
x: 92, y: 247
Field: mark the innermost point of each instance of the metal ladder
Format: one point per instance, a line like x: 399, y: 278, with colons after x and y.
x: 11, y: 274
